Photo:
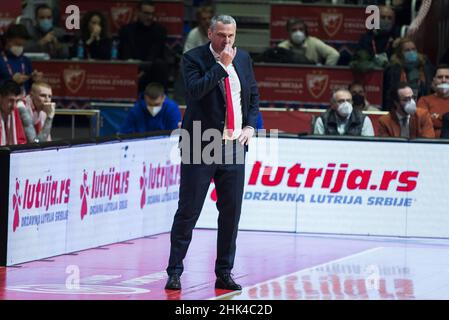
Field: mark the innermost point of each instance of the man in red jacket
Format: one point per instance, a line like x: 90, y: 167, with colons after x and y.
x: 11, y: 128
x: 404, y: 119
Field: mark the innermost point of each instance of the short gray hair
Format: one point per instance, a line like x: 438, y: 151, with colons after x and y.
x: 333, y: 100
x: 223, y: 18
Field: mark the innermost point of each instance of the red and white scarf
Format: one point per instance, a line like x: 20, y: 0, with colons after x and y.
x: 39, y: 117
x: 12, y: 132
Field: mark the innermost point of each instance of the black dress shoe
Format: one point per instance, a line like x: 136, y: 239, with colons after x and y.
x: 226, y: 282
x: 173, y: 282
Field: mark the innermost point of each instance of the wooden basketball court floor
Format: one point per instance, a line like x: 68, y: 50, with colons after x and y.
x: 268, y: 265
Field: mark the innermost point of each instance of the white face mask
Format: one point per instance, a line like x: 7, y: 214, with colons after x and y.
x: 154, y: 110
x: 344, y: 109
x: 410, y: 107
x: 298, y: 37
x: 16, y: 50
x: 443, y: 88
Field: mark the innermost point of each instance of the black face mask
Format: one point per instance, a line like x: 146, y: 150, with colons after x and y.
x: 358, y: 100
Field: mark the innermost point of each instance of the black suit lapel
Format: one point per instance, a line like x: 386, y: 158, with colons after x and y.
x: 237, y: 63
x: 222, y: 89
x: 209, y: 61
x: 237, y: 66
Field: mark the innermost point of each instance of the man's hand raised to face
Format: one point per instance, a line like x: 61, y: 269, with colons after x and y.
x: 227, y: 55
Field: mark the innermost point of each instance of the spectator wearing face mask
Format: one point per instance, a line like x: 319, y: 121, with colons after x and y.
x: 152, y: 112
x: 376, y: 46
x: 308, y: 49
x: 359, y: 101
x: 437, y: 104
x: 407, y: 65
x: 13, y: 64
x: 342, y: 119
x: 44, y: 36
x: 404, y: 119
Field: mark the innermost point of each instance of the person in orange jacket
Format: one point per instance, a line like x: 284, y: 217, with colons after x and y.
x: 438, y: 103
x: 405, y: 119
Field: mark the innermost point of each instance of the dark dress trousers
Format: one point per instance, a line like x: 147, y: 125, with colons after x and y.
x: 205, y: 100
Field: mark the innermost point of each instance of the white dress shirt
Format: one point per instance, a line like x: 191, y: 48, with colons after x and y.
x: 236, y: 98
x: 404, y: 123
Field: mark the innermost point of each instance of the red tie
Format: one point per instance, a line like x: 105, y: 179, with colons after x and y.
x: 229, y: 108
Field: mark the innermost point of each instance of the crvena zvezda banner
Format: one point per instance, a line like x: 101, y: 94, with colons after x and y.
x: 312, y: 85
x: 336, y: 23
x: 119, y: 13
x: 95, y: 80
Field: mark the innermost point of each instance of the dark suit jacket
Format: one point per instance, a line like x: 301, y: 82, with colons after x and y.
x: 205, y: 97
x: 421, y: 125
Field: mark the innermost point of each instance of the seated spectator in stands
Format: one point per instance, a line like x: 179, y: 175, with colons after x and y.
x: 145, y: 40
x: 376, y: 46
x: 37, y: 112
x: 307, y: 49
x: 359, y: 101
x: 437, y: 103
x: 44, y: 36
x: 445, y: 129
x: 342, y: 119
x: 94, y: 41
x: 11, y: 128
x: 152, y: 112
x: 407, y: 65
x: 404, y: 119
x: 13, y: 64
x: 198, y: 35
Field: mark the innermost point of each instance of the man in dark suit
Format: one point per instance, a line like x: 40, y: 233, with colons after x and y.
x: 222, y: 103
